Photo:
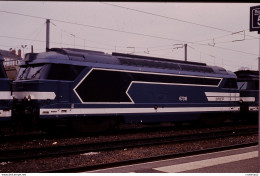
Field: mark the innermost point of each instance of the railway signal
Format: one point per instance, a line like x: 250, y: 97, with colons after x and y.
x: 255, y: 26
x: 255, y: 18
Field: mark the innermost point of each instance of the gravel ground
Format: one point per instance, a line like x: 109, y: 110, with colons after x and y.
x: 94, y: 158
x: 38, y: 143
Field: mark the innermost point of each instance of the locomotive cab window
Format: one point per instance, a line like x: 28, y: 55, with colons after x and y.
x: 247, y: 85
x: 50, y: 71
x: 242, y: 85
x: 230, y: 83
x: 63, y: 72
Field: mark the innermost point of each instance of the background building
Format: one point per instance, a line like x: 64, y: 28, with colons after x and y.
x: 11, y: 62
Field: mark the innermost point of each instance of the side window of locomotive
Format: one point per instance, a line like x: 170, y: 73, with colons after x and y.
x: 242, y: 85
x: 252, y: 85
x: 230, y: 83
x: 248, y: 85
x: 64, y: 72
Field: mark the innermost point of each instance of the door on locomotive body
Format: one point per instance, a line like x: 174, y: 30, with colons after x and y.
x: 234, y: 95
x: 249, y: 87
x: 65, y: 74
x: 226, y: 101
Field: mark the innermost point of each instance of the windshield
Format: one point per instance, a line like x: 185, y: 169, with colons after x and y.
x: 31, y: 72
x: 64, y: 72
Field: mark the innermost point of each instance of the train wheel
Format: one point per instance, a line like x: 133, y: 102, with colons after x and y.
x: 93, y: 125
x: 178, y: 124
x: 211, y: 119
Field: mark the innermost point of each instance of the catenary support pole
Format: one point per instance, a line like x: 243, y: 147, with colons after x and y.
x: 258, y: 106
x: 47, y: 34
x: 185, y: 55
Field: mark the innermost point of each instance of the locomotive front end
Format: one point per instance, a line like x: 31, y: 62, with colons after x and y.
x: 30, y: 92
x: 38, y: 86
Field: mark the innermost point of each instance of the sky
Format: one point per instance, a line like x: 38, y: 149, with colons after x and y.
x: 215, y: 33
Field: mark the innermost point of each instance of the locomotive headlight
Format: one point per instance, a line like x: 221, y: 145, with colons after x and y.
x: 27, y: 98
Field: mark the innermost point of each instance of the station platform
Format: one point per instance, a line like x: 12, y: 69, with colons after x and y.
x: 243, y: 160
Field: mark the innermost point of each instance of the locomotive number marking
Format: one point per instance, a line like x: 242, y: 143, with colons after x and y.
x: 183, y: 98
x: 219, y: 98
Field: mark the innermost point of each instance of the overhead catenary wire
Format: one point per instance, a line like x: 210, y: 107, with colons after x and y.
x: 228, y: 49
x: 163, y: 16
x: 54, y: 42
x: 40, y: 27
x: 116, y: 30
x: 150, y: 50
x: 96, y: 27
x: 77, y: 36
x: 196, y: 43
x: 171, y: 18
x: 215, y: 57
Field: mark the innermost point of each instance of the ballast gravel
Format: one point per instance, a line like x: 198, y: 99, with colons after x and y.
x: 103, y: 157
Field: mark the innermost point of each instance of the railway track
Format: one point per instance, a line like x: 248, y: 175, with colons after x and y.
x: 55, y: 151
x: 92, y: 168
x: 64, y: 133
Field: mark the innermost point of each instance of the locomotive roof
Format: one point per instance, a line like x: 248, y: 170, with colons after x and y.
x: 247, y: 74
x: 80, y: 56
x: 155, y: 58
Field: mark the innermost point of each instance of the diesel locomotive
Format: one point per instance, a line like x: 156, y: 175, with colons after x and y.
x: 92, y: 90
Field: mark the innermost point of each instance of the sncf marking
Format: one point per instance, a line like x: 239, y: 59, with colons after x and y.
x: 222, y: 96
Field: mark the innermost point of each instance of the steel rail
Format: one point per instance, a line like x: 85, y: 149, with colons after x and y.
x: 92, y: 168
x: 54, y: 151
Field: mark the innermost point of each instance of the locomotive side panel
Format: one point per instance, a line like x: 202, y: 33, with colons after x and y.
x: 91, y: 85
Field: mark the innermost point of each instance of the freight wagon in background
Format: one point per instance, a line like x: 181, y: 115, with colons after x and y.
x: 91, y: 90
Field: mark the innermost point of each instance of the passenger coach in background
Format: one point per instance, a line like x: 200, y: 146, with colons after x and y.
x: 5, y: 94
x: 94, y: 91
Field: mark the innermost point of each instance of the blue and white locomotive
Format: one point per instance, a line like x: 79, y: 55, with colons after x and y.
x: 5, y: 94
x: 94, y: 88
